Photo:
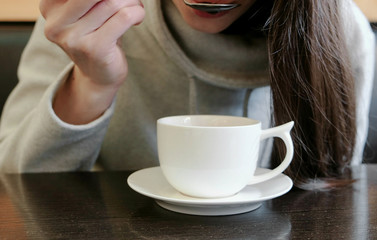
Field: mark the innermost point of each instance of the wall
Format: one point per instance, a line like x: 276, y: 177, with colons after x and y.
x: 27, y: 10
x: 19, y: 10
x: 369, y: 7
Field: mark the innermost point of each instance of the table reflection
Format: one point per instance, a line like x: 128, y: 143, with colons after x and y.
x: 102, y: 206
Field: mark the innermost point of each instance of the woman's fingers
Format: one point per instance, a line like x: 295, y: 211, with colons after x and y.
x: 61, y: 14
x: 102, y: 44
x: 119, y: 23
x: 58, y: 23
x: 88, y: 31
x: 101, y: 13
x: 67, y: 11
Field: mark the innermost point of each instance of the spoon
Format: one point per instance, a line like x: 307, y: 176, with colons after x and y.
x: 212, y: 7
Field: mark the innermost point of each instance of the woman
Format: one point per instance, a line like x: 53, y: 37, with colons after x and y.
x: 314, y: 57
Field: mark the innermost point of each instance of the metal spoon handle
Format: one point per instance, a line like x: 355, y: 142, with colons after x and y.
x: 211, y: 7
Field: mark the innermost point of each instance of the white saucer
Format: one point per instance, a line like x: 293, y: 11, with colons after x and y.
x: 150, y: 182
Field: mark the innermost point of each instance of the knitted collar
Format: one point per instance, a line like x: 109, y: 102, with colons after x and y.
x: 232, y: 61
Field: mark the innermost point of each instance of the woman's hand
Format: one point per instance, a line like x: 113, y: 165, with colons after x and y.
x: 89, y: 32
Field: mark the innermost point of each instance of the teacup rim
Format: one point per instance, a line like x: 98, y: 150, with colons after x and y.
x: 248, y: 122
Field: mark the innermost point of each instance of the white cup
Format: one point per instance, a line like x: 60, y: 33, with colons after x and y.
x: 211, y: 156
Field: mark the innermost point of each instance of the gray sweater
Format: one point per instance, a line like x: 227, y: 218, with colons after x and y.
x: 173, y: 70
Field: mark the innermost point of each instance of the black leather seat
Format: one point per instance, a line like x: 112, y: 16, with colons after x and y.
x: 13, y: 38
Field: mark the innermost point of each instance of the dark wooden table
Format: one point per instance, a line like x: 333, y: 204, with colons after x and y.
x: 100, y: 205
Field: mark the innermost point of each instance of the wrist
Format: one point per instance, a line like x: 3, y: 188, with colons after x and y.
x: 80, y: 100
x: 91, y: 91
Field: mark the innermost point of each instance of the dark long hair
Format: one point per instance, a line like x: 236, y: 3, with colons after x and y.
x: 312, y: 84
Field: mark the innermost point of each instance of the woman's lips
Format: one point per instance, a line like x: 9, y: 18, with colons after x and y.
x: 215, y: 2
x: 205, y: 14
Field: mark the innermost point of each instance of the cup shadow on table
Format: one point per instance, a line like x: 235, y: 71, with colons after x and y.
x: 261, y: 223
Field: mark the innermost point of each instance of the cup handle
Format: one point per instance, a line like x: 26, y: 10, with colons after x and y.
x: 283, y: 132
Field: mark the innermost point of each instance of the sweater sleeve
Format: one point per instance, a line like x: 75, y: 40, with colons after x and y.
x: 360, y: 42
x: 32, y: 137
